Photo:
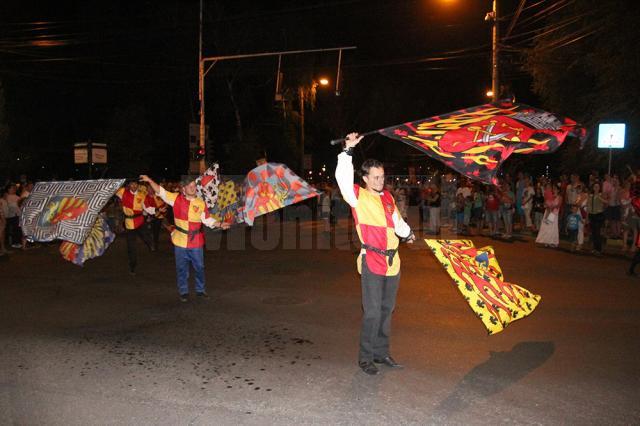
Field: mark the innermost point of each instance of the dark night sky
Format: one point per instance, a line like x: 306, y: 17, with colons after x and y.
x: 67, y: 65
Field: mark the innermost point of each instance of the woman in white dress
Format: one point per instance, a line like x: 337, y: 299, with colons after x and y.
x: 548, y: 234
x: 581, y: 202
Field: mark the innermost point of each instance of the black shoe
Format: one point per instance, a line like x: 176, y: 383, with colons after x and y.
x: 389, y: 362
x: 184, y: 298
x: 369, y: 368
x: 202, y: 295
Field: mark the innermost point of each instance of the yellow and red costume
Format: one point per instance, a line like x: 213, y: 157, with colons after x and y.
x: 134, y: 205
x: 188, y: 216
x: 373, y: 217
x: 379, y: 224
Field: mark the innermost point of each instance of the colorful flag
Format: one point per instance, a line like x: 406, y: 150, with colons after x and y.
x: 95, y: 245
x: 479, y: 279
x: 207, y: 186
x: 270, y: 187
x: 475, y: 141
x: 65, y: 210
x: 227, y: 205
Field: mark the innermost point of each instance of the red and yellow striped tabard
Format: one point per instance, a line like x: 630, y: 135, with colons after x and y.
x: 187, y: 217
x: 373, y: 216
x: 133, y: 206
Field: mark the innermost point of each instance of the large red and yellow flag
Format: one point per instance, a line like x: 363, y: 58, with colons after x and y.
x: 475, y: 141
x: 479, y: 279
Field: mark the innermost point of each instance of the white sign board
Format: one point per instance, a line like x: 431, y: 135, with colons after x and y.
x: 99, y: 155
x: 611, y: 135
x: 80, y: 155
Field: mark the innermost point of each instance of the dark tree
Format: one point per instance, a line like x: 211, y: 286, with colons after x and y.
x: 585, y: 64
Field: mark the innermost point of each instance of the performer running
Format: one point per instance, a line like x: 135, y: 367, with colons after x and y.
x: 135, y: 202
x: 379, y: 224
x: 189, y: 214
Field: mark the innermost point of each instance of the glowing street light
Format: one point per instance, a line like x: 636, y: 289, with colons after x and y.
x: 489, y: 93
x: 324, y: 81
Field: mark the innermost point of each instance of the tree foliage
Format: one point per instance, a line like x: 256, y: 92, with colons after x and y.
x: 5, y: 151
x: 585, y: 63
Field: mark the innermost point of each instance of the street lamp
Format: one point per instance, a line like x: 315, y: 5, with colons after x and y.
x: 323, y: 81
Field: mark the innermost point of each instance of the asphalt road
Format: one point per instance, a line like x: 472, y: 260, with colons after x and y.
x: 277, y: 342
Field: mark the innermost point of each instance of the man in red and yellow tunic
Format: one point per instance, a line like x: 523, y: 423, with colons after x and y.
x: 189, y: 213
x: 379, y: 224
x: 135, y: 203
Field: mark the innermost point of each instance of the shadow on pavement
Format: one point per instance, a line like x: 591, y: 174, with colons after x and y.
x: 500, y: 371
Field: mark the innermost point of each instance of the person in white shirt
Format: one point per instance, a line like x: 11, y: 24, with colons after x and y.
x: 527, y: 201
x: 379, y: 224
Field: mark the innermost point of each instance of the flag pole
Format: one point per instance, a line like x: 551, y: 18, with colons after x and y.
x: 341, y: 140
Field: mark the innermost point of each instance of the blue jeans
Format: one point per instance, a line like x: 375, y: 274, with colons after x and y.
x: 184, y: 258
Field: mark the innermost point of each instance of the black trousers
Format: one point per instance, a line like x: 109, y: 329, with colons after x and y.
x: 132, y: 234
x: 14, y: 234
x: 155, y: 226
x: 378, y: 301
x: 596, y: 221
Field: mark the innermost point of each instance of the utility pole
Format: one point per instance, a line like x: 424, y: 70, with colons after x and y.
x: 495, y: 86
x: 201, y: 142
x: 301, y: 95
x: 202, y: 72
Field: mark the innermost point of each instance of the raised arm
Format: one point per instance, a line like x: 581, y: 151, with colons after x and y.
x: 160, y: 191
x: 344, y: 170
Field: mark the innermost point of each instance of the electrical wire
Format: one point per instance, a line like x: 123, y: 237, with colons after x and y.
x: 512, y: 24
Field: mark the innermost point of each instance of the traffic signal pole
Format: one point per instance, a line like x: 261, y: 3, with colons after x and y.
x: 212, y: 60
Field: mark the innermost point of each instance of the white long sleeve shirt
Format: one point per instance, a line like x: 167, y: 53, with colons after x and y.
x: 344, y: 176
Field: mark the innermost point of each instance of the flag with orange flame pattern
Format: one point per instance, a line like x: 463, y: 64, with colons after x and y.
x: 475, y: 141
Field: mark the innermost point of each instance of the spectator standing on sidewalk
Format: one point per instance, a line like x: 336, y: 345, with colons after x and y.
x: 13, y: 216
x: 492, y: 207
x: 527, y: 203
x: 573, y: 226
x: 549, y: 232
x: 4, y: 210
x: 507, y: 209
x: 595, y: 207
x: 434, y: 201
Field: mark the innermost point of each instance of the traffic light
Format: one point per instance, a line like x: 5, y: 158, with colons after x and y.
x: 199, y: 153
